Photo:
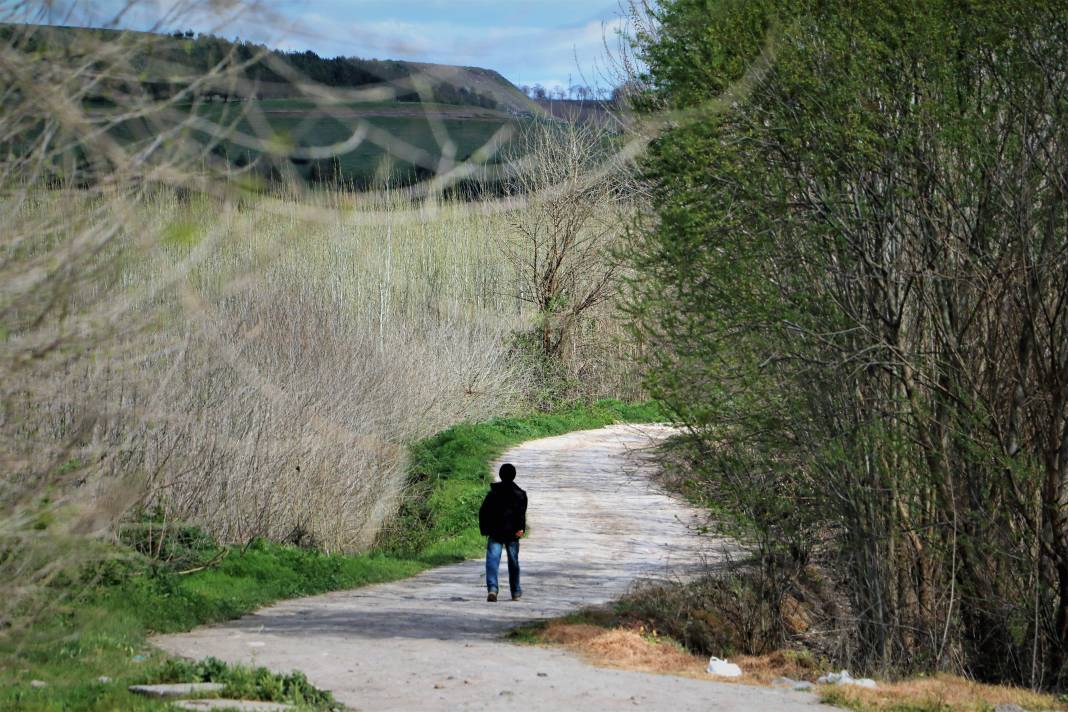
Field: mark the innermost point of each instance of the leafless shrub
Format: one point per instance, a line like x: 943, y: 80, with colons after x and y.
x: 577, y: 195
x: 276, y: 400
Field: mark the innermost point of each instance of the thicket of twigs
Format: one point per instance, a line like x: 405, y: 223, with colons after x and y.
x: 277, y: 385
x: 181, y: 338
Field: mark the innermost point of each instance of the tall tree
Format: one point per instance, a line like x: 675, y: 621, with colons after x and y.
x: 856, y: 282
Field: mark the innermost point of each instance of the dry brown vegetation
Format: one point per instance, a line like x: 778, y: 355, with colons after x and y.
x: 942, y: 692
x: 282, y: 357
x: 287, y: 368
x: 643, y: 650
x: 625, y: 649
x: 279, y: 360
x: 181, y: 339
x: 563, y: 245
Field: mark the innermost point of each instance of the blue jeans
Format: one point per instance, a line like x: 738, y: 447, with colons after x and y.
x: 493, y: 562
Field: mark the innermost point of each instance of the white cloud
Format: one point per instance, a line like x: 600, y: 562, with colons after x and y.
x: 514, y: 50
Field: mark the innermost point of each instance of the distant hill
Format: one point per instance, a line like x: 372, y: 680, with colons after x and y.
x: 270, y: 106
x: 166, y: 63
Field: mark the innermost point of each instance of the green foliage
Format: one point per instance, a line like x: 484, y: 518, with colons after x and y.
x: 707, y: 46
x: 359, y: 167
x: 738, y: 611
x: 526, y: 634
x: 181, y: 234
x: 179, y: 546
x: 551, y: 382
x: 101, y: 629
x: 158, y: 55
x: 247, y: 85
x: 832, y: 695
x: 244, y: 682
x: 64, y: 692
x: 833, y: 291
x: 245, y: 580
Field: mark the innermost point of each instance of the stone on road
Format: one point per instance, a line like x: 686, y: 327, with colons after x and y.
x: 178, y: 689
x: 431, y: 642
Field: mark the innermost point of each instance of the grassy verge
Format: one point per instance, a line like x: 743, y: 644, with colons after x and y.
x: 100, y: 628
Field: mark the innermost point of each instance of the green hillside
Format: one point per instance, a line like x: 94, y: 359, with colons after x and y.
x: 267, y: 110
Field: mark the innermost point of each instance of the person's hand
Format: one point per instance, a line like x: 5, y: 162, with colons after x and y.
x: 519, y: 534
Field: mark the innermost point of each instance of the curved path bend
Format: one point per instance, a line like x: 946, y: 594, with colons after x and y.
x: 431, y: 642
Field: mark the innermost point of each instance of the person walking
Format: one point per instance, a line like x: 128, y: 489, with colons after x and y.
x: 502, y: 518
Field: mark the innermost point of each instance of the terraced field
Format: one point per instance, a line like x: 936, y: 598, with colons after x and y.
x: 373, y: 141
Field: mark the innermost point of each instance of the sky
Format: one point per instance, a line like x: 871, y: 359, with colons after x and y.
x: 548, y: 42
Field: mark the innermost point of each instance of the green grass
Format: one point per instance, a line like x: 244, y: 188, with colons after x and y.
x: 830, y: 695
x: 101, y: 627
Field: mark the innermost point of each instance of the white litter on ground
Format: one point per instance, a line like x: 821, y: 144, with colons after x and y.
x: 723, y: 668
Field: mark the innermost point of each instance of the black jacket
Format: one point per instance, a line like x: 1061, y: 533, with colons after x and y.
x: 503, y: 512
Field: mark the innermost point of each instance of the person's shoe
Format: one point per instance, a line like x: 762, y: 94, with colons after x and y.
x: 516, y: 596
x: 492, y: 597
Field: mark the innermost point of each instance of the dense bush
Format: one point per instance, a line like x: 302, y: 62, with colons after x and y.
x: 856, y: 294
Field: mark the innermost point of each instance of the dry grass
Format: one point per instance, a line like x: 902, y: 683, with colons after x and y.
x: 253, y: 357
x: 226, y: 346
x: 647, y: 651
x: 639, y: 650
x: 623, y: 649
x: 281, y: 362
x: 273, y: 357
x: 942, y: 692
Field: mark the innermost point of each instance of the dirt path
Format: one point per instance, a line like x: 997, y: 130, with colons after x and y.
x: 432, y: 642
